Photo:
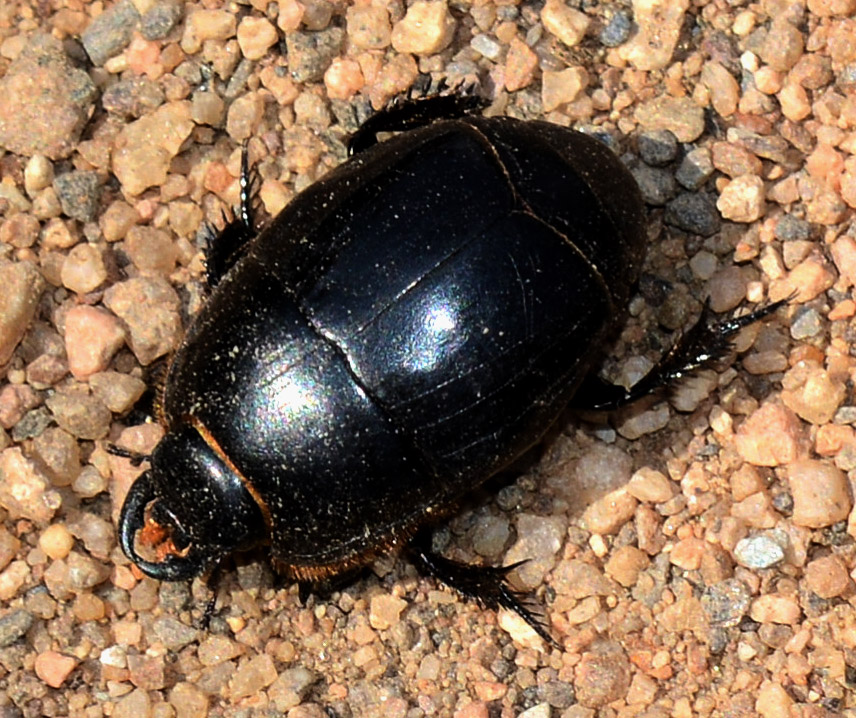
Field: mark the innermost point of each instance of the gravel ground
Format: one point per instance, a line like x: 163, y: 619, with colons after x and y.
x: 695, y: 556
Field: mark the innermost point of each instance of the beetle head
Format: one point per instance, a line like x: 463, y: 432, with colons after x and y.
x: 192, y: 493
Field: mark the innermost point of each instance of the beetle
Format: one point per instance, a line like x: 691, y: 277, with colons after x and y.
x: 406, y: 327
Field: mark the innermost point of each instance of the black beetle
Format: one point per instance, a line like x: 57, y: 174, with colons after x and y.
x: 405, y: 328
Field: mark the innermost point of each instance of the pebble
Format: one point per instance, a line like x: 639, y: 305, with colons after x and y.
x: 609, y: 513
x: 758, y: 552
x: 22, y: 287
x: 821, y: 493
x: 56, y: 541
x: 426, y: 29
x: 13, y: 625
x: 659, y: 25
x: 174, y: 634
x: 369, y: 27
x: 310, y: 54
x: 562, y: 87
x: 602, y: 675
x: 564, y: 22
x: 159, y: 20
x: 625, y: 564
x: 92, y: 336
x: 188, y: 701
x: 81, y: 415
x: 78, y: 194
x: 782, y: 46
x: 771, y: 436
x: 490, y: 536
x: 256, y: 35
x: 203, y: 25
x: 20, y: 230
x: 726, y: 602
x: 252, y: 676
x: 119, y: 392
x: 539, y: 539
x: 25, y: 491
x: 723, y: 88
x: 9, y: 546
x: 827, y: 577
x: 214, y: 650
x: 742, y: 199
x: 645, y: 422
x: 38, y: 174
x: 97, y: 534
x: 734, y: 160
x: 658, y: 148
x: 46, y: 101
x: 134, y: 705
x: 693, y: 212
x: 151, y: 250
x: 680, y: 115
x: 385, y: 611
x: 773, y: 700
x: 541, y: 710
x: 133, y: 97
x: 687, y: 553
x: 117, y: 219
x: 145, y: 148
x: 84, y: 572
x: 291, y: 687
x: 54, y: 668
x: 651, y: 485
x: 695, y: 169
x: 775, y: 608
x: 617, y: 29
x: 656, y: 184
x: 110, y: 32
x: 83, y: 270
x: 810, y: 392
x: 149, y: 306
x: 520, y: 65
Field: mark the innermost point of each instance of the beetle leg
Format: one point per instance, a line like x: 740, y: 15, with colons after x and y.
x: 485, y: 584
x: 704, y: 344
x: 409, y: 113
x: 225, y: 247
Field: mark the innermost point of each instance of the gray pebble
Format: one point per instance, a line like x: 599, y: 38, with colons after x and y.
x: 174, y: 634
x: 759, y: 551
x: 310, y: 53
x: 726, y: 602
x: 790, y: 228
x: 157, y: 23
x: 808, y: 323
x: 617, y: 29
x: 14, y: 625
x: 78, y: 193
x: 693, y: 212
x: 657, y: 185
x: 658, y: 147
x: 695, y: 169
x: 109, y: 33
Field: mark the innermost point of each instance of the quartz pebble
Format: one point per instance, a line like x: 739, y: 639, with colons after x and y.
x: 426, y: 29
x: 821, y: 493
x: 743, y: 198
x: 54, y: 668
x: 775, y: 608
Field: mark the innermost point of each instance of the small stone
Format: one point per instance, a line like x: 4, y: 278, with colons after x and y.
x: 291, y: 687
x: 427, y: 28
x: 22, y: 287
x: 53, y: 668
x: 256, y: 35
x: 782, y: 46
x: 117, y: 219
x: 645, y: 422
x: 821, y: 493
x: 539, y: 539
x: 83, y: 270
x: 490, y: 536
x: 742, y: 199
x: 659, y: 23
x: 734, y: 160
x: 827, y: 577
x: 205, y: 25
x: 693, y: 212
x: 385, y: 611
x: 564, y: 22
x: 775, y: 608
x: 771, y: 436
x: 794, y: 102
x: 188, y: 700
x: 81, y: 415
x: 9, y: 546
x: 174, y: 634
x: 657, y: 148
x: 310, y: 53
x: 656, y: 184
x: 759, y: 551
x: 687, y: 553
x: 151, y: 250
x: 78, y: 194
x: 773, y: 700
x: 215, y: 650
x: 47, y: 101
x: 811, y: 393
x: 14, y: 625
x: 133, y: 97
x: 252, y: 676
x: 541, y: 710
x: 158, y: 21
x: 726, y: 602
x: 134, y: 705
x: 119, y: 392
x: 625, y: 565
x: 149, y: 307
x: 92, y: 336
x: 110, y: 32
x: 680, y: 115
x: 602, y: 675
x: 25, y: 491
x: 609, y: 513
x: 20, y: 231
x: 578, y: 579
x: 145, y: 148
x: 562, y: 87
x: 520, y: 65
x: 617, y: 30
x: 369, y: 27
x: 808, y: 279
x: 650, y: 485
x: 38, y: 174
x: 343, y: 79
x: 695, y: 169
x: 56, y: 541
x: 724, y: 90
